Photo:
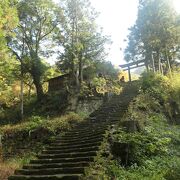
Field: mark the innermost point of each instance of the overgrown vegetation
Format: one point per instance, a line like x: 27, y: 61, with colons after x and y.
x: 22, y: 142
x: 53, y: 125
x: 7, y: 168
x: 151, y: 149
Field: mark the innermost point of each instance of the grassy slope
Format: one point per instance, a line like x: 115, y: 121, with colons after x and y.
x: 52, y: 126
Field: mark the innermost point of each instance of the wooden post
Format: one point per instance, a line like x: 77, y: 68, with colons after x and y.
x: 129, y: 72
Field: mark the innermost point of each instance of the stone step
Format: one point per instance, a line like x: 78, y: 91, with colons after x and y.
x: 88, y: 128
x: 108, y: 120
x: 77, y: 134
x: 67, y: 147
x: 46, y: 177
x: 50, y: 171
x: 73, y: 140
x: 92, y: 131
x: 67, y: 155
x: 56, y: 165
x: 86, y: 134
x: 70, y: 150
x: 62, y: 160
x: 77, y: 142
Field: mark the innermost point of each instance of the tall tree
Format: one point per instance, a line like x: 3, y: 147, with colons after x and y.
x: 8, y: 21
x: 82, y: 44
x: 39, y: 20
x: 155, y: 35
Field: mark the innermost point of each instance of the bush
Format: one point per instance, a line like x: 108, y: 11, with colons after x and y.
x: 156, y: 85
x: 166, y: 90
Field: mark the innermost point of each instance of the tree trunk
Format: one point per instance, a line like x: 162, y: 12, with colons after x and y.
x: 147, y: 67
x: 38, y: 85
x: 153, y: 63
x: 168, y: 63
x: 80, y: 70
x: 169, y: 66
x: 77, y: 80
x: 162, y: 71
x: 29, y: 90
x: 159, y: 63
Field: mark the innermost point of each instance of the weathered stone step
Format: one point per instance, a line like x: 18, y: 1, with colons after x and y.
x: 56, y: 165
x: 77, y: 142
x: 64, y: 140
x: 74, y: 136
x: 50, y: 171
x: 113, y: 110
x: 84, y: 145
x: 62, y: 160
x: 108, y: 120
x: 79, y: 135
x: 119, y: 113
x: 67, y: 155
x: 89, y: 128
x: 70, y: 150
x: 46, y: 177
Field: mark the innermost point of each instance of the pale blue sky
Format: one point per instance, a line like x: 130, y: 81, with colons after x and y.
x: 116, y: 16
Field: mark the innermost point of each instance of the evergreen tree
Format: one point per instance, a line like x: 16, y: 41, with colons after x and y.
x: 155, y: 35
x: 83, y: 44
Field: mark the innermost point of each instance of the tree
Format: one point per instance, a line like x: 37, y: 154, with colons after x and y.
x: 82, y: 43
x: 39, y: 20
x: 8, y: 21
x: 155, y: 35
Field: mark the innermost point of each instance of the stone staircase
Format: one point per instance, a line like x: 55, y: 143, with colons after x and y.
x: 67, y: 156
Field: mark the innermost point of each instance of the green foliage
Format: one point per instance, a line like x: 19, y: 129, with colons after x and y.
x: 165, y: 89
x: 175, y: 86
x: 105, y: 85
x: 157, y: 85
x: 83, y: 43
x: 38, y: 23
x: 154, y: 150
x: 154, y: 140
x: 8, y: 21
x: 155, y: 34
x: 35, y: 122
